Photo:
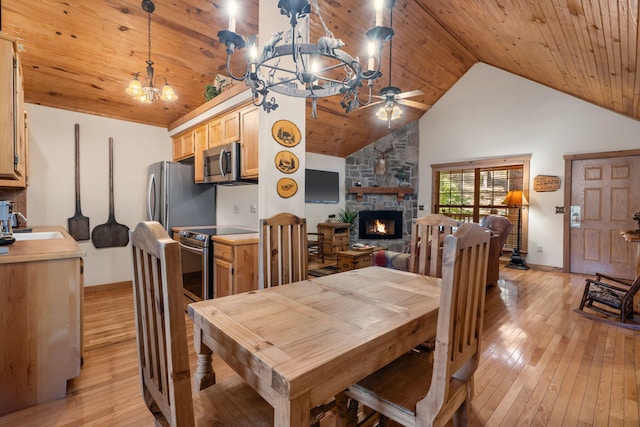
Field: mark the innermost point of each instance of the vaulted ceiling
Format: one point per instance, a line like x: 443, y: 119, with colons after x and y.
x: 80, y: 55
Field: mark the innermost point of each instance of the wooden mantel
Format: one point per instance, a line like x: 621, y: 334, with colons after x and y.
x: 400, y: 191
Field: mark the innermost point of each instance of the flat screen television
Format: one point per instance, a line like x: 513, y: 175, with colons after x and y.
x: 321, y: 186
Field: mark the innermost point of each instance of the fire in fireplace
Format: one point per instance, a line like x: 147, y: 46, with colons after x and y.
x: 380, y: 225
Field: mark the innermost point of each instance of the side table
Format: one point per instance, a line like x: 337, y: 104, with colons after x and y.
x: 350, y: 260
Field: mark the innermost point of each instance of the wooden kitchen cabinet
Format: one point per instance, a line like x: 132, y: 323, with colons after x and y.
x: 336, y: 237
x: 200, y: 140
x: 183, y: 145
x: 13, y: 142
x: 41, y: 343
x: 249, y: 143
x: 239, y: 123
x: 224, y: 129
x: 235, y: 266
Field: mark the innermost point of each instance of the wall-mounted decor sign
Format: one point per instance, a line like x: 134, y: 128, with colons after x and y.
x: 287, y: 162
x: 542, y: 183
x: 286, y: 133
x: 287, y: 187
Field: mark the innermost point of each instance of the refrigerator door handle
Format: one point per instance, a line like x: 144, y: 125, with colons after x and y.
x: 151, y: 187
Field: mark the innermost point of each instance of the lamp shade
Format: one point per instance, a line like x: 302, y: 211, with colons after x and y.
x: 135, y: 88
x: 167, y: 93
x: 386, y: 113
x: 515, y: 198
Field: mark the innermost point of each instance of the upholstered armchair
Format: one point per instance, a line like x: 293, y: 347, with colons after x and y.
x: 500, y: 227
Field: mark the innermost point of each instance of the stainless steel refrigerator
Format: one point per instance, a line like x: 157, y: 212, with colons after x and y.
x: 174, y: 199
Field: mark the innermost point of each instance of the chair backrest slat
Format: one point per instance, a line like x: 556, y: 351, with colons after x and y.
x: 283, y: 238
x: 160, y: 323
x: 427, y: 235
x: 461, y: 312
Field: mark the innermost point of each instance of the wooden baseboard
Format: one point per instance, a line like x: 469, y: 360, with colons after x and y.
x: 108, y: 286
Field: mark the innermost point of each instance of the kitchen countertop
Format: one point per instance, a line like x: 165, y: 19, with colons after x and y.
x: 230, y: 239
x: 40, y: 250
x: 237, y: 239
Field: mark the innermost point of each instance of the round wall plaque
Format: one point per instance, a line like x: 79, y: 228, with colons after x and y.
x: 287, y: 187
x: 287, y: 162
x: 286, y: 133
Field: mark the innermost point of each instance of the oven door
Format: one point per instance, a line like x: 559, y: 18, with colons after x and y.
x: 196, y: 273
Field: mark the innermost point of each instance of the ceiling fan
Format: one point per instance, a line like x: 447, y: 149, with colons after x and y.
x: 392, y: 97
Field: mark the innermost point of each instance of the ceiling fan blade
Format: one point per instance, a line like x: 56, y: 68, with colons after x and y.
x: 372, y: 104
x: 409, y: 94
x: 413, y: 104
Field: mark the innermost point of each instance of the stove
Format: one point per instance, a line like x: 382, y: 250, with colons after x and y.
x: 202, y: 236
x: 196, y: 253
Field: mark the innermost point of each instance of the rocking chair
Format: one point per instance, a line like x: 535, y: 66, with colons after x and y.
x: 614, y: 300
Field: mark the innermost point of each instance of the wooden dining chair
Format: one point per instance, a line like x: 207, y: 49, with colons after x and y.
x: 417, y: 391
x: 283, y: 241
x: 162, y: 345
x: 427, y: 237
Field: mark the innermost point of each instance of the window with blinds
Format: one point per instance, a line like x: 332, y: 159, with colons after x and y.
x: 468, y: 194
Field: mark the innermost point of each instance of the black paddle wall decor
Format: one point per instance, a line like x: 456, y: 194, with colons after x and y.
x: 110, y: 234
x: 78, y: 224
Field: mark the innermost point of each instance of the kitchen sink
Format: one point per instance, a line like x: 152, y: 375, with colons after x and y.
x: 39, y: 235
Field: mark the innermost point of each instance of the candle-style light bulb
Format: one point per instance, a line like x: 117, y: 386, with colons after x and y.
x: 315, y: 68
x: 371, y: 50
x: 233, y: 8
x: 378, y: 5
x: 253, y: 57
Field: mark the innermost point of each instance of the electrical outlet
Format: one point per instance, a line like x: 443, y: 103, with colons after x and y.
x: 254, y: 208
x: 236, y: 209
x: 539, y: 248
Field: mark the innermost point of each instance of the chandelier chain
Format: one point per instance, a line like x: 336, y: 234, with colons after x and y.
x: 326, y: 29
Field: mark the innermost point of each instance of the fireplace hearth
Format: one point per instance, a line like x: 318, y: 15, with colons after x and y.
x: 379, y: 224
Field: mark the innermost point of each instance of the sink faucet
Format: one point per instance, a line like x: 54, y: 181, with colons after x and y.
x: 14, y: 219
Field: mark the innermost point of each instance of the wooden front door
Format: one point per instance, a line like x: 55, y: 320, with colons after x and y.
x: 605, y: 192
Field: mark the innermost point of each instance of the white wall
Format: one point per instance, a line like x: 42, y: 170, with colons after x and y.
x: 319, y: 212
x: 241, y: 197
x: 51, y: 190
x: 490, y: 112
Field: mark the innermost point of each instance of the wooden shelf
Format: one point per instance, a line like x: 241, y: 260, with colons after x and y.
x: 400, y: 191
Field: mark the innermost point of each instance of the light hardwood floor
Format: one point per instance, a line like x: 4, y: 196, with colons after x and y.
x: 542, y: 364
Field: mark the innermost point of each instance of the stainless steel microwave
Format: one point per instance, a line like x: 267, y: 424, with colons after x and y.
x: 222, y: 163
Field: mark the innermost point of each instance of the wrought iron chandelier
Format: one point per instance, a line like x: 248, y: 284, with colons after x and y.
x: 149, y: 93
x: 290, y: 66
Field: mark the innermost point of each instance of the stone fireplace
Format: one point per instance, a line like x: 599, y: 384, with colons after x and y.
x: 402, y: 170
x: 379, y: 224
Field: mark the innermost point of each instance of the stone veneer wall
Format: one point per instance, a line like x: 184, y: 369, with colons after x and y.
x: 360, y: 169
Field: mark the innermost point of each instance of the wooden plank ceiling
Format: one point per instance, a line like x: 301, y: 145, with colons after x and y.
x: 80, y: 55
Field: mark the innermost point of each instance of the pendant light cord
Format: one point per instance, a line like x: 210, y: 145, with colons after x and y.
x: 149, y: 35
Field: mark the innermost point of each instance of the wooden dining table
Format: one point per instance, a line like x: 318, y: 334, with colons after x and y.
x: 300, y: 344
